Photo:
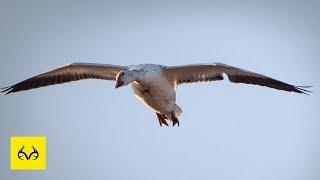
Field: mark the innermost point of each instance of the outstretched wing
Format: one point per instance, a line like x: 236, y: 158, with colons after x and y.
x: 71, y: 72
x: 214, y: 71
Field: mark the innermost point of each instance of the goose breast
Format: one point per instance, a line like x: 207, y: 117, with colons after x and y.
x: 155, y: 91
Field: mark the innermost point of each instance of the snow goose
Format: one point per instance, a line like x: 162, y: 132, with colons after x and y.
x: 153, y: 84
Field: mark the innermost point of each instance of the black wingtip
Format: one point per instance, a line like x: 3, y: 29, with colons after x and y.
x: 6, y: 90
x: 303, y: 90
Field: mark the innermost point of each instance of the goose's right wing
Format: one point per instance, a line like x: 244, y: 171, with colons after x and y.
x: 214, y: 71
x: 71, y: 72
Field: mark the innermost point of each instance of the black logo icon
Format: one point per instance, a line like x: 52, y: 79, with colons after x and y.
x: 24, y: 156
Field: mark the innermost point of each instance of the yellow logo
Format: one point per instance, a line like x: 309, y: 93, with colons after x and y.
x: 28, y: 152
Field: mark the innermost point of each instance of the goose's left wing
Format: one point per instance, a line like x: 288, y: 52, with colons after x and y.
x: 214, y: 71
x: 64, y: 74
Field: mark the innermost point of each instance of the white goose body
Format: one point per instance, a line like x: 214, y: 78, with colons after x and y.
x: 152, y: 84
x: 155, y: 91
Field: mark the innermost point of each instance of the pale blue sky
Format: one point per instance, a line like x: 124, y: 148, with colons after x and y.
x: 228, y: 131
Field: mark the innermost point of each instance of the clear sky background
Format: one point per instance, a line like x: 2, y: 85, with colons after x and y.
x: 228, y: 131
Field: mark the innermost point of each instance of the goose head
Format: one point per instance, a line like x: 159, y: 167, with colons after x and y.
x: 126, y: 77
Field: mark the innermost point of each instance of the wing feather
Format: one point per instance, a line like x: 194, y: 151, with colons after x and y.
x: 214, y: 71
x: 68, y: 73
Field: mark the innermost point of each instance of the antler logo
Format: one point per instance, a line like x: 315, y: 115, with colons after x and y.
x: 28, y: 152
x: 24, y: 156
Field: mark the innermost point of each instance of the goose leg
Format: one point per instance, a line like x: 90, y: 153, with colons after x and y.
x: 162, y: 119
x: 174, y: 119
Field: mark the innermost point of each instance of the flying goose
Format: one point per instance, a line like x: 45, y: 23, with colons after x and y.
x: 153, y: 84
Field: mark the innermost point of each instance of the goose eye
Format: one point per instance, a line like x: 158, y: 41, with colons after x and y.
x: 122, y: 74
